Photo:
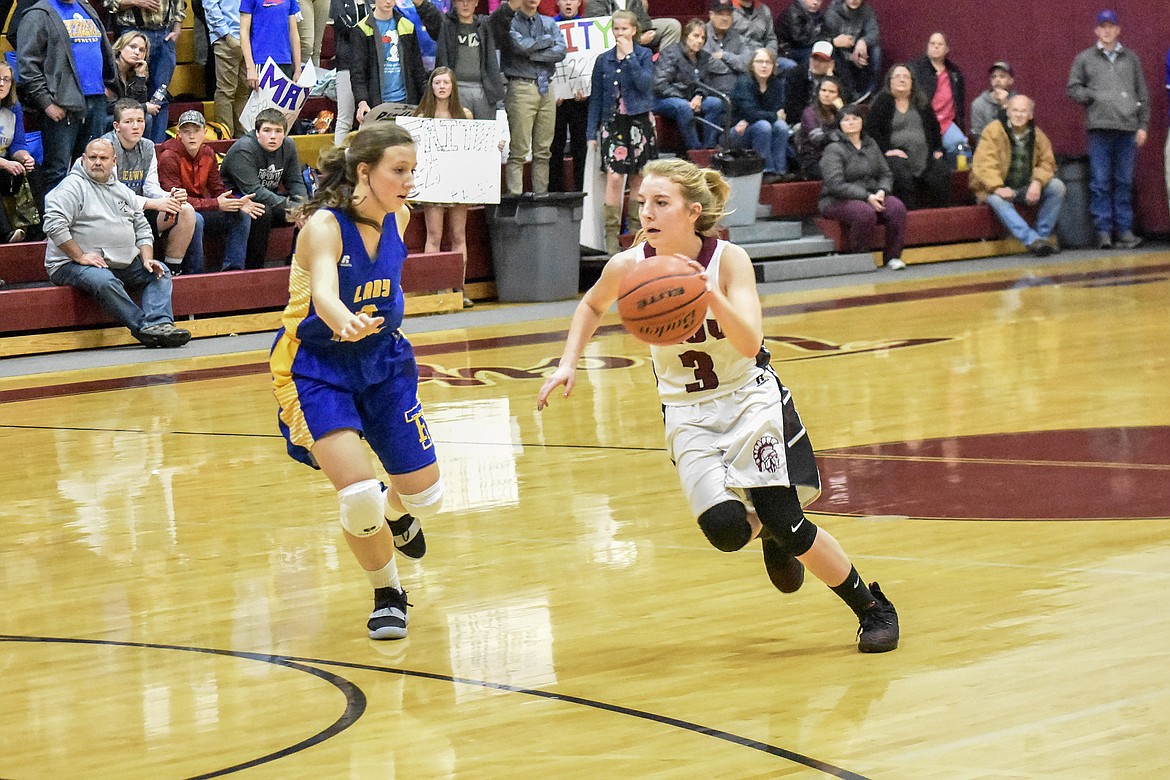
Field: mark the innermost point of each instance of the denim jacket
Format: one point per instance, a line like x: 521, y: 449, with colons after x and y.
x: 635, y: 75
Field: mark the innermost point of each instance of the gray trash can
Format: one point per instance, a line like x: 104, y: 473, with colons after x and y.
x: 536, y: 247
x: 1075, y: 226
x: 744, y: 171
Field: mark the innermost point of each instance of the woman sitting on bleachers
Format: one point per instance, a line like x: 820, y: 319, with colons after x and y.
x: 131, y: 54
x: 905, y: 127
x: 681, y: 70
x: 757, y: 115
x: 816, y: 127
x: 16, y: 163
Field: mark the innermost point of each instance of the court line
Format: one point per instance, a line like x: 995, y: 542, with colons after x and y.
x: 355, y: 699
x: 356, y: 706
x: 839, y: 455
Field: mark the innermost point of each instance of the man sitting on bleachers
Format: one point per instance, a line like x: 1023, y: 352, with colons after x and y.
x: 187, y: 163
x: 265, y: 164
x: 1014, y: 163
x: 100, y: 243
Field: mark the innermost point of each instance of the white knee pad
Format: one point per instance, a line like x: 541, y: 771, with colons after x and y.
x: 361, y: 507
x: 425, y: 504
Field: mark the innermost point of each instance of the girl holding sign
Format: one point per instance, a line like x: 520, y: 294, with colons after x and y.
x: 620, y: 123
x: 441, y: 101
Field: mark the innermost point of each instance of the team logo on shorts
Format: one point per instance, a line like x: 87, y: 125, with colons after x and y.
x: 766, y: 455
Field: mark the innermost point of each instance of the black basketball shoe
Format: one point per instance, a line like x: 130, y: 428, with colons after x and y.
x: 388, y: 620
x: 786, y: 573
x: 878, y: 632
x: 408, y: 536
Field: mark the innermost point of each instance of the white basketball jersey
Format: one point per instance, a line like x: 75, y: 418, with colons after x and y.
x: 705, y: 365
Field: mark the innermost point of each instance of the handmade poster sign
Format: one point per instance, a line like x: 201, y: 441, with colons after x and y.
x: 458, y: 160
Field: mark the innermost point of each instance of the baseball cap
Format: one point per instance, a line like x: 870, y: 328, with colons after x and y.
x: 1107, y: 17
x: 720, y: 5
x: 1001, y: 65
x: 192, y: 118
x: 822, y: 49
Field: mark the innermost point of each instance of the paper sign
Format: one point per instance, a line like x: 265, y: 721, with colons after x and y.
x: 585, y: 39
x: 280, y: 92
x: 458, y: 160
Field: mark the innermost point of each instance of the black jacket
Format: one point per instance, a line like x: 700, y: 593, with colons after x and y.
x: 926, y: 81
x: 46, y: 69
x: 879, y: 123
x: 367, y: 60
x: 677, y: 76
x: 345, y: 15
x: 798, y: 90
x: 489, y: 63
x: 797, y: 28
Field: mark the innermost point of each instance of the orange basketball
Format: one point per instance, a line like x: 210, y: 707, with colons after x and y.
x: 662, y: 300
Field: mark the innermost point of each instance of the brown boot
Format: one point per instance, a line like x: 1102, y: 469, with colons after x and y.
x: 633, y: 218
x: 613, y: 225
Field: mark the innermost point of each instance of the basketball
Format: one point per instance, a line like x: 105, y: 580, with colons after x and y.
x: 662, y: 300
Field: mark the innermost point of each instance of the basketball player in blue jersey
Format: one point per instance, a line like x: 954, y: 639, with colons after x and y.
x: 732, y: 430
x: 341, y: 369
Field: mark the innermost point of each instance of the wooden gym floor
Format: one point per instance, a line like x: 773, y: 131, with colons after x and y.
x: 995, y: 449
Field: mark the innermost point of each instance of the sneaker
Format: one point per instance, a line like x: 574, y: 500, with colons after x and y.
x: 167, y: 335
x: 1104, y: 240
x: 1054, y: 243
x: 786, y: 573
x: 151, y: 336
x: 878, y: 632
x: 408, y: 536
x: 17, y: 236
x: 1040, y: 248
x: 1128, y: 240
x: 468, y: 303
x: 895, y: 264
x: 388, y: 620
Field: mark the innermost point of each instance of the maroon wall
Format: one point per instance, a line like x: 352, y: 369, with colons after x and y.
x: 1040, y: 40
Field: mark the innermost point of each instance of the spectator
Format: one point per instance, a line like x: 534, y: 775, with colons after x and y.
x: 800, y: 26
x: 345, y: 15
x: 857, y: 190
x: 231, y: 72
x: 264, y: 164
x: 757, y: 114
x: 754, y: 23
x: 387, y: 64
x: 991, y: 105
x: 1014, y: 163
x: 817, y: 125
x: 16, y: 163
x: 679, y: 93
x: 441, y: 101
x: 800, y: 83
x: 187, y: 163
x: 467, y: 46
x: 138, y: 170
x: 268, y: 28
x: 100, y: 243
x: 852, y: 26
x: 1107, y: 79
x: 572, y: 122
x: 66, y: 64
x: 530, y: 47
x: 160, y: 22
x: 131, y: 52
x: 311, y: 27
x: 941, y: 82
x: 729, y: 51
x: 620, y: 100
x: 654, y: 34
x: 905, y: 128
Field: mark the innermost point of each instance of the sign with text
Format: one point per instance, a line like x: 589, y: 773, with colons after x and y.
x: 280, y: 92
x: 585, y: 39
x: 458, y: 160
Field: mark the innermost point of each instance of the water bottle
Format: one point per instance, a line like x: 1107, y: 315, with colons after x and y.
x: 159, y: 95
x: 962, y: 157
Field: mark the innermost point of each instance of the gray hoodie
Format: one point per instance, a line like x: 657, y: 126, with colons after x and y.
x: 100, y: 216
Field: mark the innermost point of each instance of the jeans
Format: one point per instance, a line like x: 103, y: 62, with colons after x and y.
x: 769, y: 140
x: 678, y: 110
x: 951, y: 140
x: 1111, y: 160
x: 109, y: 286
x: 1051, y: 199
x: 64, y: 141
x: 161, y: 68
x: 234, y: 226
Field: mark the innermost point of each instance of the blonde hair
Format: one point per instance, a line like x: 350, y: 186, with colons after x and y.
x: 123, y: 41
x: 704, y: 186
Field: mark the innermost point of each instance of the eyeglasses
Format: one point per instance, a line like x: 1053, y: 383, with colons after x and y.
x: 761, y: 62
x: 5, y: 79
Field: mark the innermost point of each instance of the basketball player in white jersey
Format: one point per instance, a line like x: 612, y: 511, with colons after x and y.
x: 732, y: 430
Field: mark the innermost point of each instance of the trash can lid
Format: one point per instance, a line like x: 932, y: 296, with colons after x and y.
x: 550, y: 198
x: 738, y: 162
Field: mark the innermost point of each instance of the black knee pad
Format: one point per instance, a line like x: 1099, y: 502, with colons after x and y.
x: 726, y: 527
x: 779, y: 511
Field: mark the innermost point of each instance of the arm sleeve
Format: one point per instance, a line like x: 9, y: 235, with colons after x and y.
x: 61, y: 206
x: 1078, y: 88
x: 293, y: 178
x: 150, y: 185
x: 30, y: 59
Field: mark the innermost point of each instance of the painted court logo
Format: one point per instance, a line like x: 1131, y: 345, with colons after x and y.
x: 766, y: 456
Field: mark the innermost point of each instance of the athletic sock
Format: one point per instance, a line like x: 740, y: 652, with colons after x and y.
x: 385, y: 577
x: 854, y: 592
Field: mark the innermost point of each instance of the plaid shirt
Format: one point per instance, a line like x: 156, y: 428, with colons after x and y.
x: 169, y: 13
